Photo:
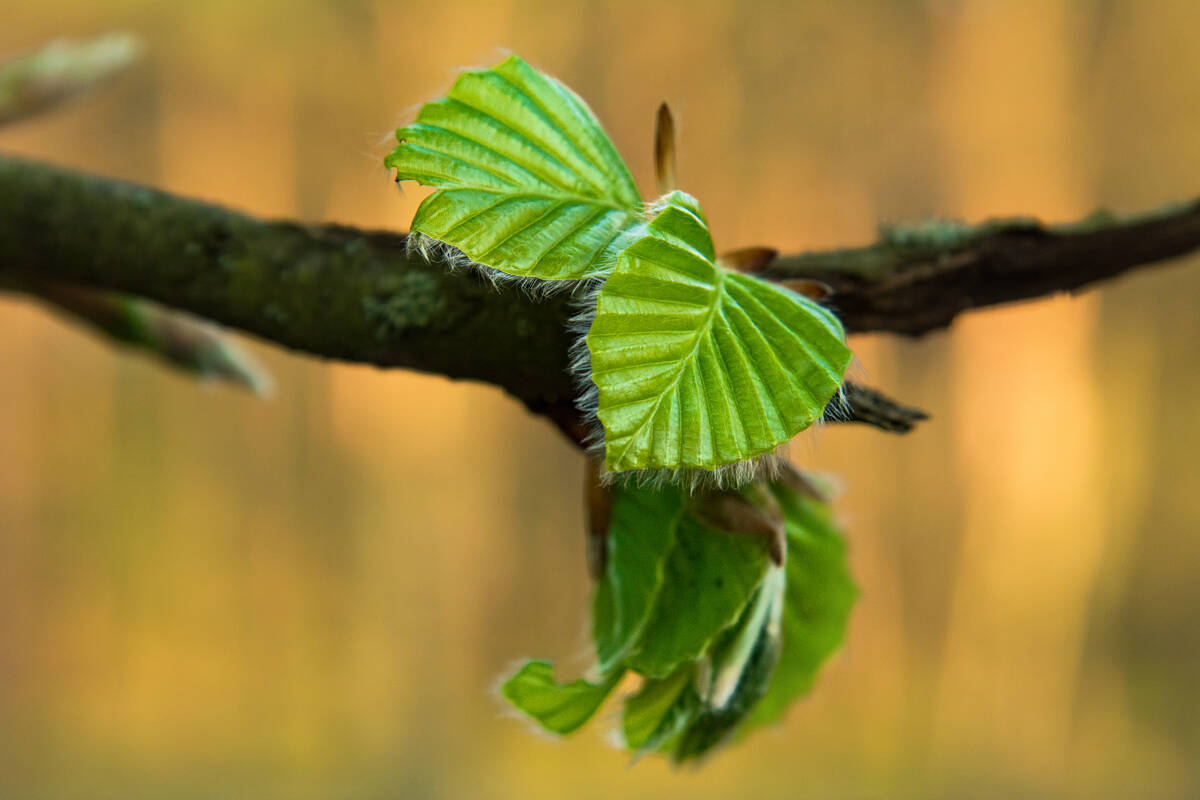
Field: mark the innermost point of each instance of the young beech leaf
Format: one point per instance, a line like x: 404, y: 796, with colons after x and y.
x: 527, y: 181
x: 672, y: 583
x: 795, y: 622
x: 557, y: 707
x: 723, y: 639
x: 641, y: 535
x: 700, y: 367
x: 708, y: 578
x: 687, y: 718
x: 818, y: 596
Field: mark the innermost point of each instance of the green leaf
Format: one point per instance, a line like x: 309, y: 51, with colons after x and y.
x: 641, y: 536
x: 527, y: 181
x: 648, y: 709
x: 723, y: 639
x: 708, y: 579
x: 770, y: 655
x: 557, y: 707
x: 697, y: 366
x: 817, y: 601
x: 672, y: 583
x: 687, y: 708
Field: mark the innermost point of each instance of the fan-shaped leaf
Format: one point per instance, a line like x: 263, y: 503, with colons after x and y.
x: 697, y: 366
x: 527, y: 181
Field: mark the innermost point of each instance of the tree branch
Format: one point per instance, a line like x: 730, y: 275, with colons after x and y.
x: 918, y: 278
x: 353, y: 295
x: 41, y: 81
x: 326, y: 290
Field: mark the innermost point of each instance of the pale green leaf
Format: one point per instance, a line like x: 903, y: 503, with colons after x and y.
x: 708, y: 579
x: 817, y: 601
x: 697, y: 366
x: 557, y: 707
x: 640, y: 537
x: 527, y: 181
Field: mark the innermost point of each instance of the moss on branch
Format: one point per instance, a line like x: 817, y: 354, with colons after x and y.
x: 326, y: 290
x: 918, y: 278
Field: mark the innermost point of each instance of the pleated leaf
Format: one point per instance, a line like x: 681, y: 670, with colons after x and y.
x: 697, y: 366
x: 557, y: 707
x: 527, y: 181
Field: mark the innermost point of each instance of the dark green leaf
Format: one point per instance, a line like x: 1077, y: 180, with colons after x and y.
x: 708, y: 578
x: 640, y: 538
x: 713, y: 725
x: 817, y: 601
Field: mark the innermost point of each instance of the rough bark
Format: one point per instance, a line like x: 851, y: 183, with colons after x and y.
x: 353, y: 295
x: 918, y: 278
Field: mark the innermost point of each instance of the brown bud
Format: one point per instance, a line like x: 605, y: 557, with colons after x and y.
x: 801, y: 484
x: 598, y: 499
x: 813, y: 290
x: 758, y: 516
x: 664, y: 150
x: 749, y: 260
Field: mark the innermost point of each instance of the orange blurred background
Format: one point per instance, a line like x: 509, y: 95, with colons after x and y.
x: 203, y: 594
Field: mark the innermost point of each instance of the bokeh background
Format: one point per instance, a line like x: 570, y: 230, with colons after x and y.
x: 203, y: 594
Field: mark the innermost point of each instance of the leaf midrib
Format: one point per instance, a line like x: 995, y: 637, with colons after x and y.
x: 570, y: 199
x: 719, y: 285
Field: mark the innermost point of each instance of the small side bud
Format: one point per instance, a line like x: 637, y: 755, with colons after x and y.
x: 598, y: 498
x: 757, y: 515
x: 813, y: 290
x: 750, y: 260
x: 801, y: 484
